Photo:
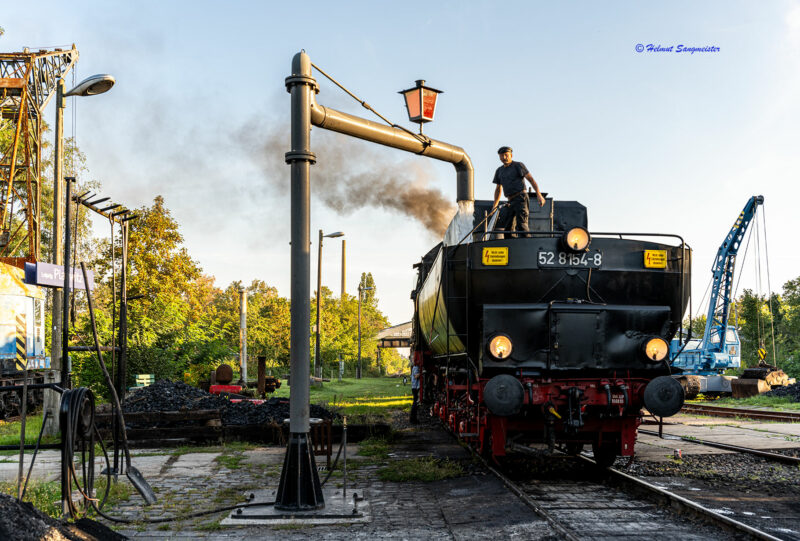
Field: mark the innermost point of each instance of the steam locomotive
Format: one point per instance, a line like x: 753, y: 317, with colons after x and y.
x: 555, y: 336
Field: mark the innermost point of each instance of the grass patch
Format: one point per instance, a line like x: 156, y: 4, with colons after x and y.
x: 374, y: 397
x: 232, y: 447
x: 230, y: 461
x: 210, y: 526
x: 234, y: 494
x: 775, y: 402
x: 121, y: 490
x: 9, y: 432
x: 45, y: 496
x: 374, y: 447
x: 420, y: 469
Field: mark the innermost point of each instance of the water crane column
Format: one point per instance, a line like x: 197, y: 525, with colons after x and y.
x: 299, y: 487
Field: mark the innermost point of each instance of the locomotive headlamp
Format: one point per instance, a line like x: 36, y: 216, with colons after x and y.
x: 500, y: 347
x: 656, y: 349
x: 576, y: 239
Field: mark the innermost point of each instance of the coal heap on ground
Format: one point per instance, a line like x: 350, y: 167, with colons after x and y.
x: 791, y: 391
x: 166, y: 395
x: 23, y: 522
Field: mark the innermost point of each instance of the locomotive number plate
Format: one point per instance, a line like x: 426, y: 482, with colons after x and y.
x: 585, y: 260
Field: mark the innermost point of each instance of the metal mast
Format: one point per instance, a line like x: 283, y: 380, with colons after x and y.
x: 28, y: 81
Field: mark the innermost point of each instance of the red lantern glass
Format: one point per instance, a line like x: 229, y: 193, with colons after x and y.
x: 420, y: 102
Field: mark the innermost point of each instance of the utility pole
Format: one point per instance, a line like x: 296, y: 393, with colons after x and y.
x: 361, y: 289
x: 319, y: 294
x: 243, y: 334
x: 51, y: 398
x: 317, y: 363
x: 344, y: 266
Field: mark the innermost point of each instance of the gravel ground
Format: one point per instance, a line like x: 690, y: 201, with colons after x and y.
x: 746, y: 473
x: 750, y: 489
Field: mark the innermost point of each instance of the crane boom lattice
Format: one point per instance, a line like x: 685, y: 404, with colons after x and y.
x: 27, y: 83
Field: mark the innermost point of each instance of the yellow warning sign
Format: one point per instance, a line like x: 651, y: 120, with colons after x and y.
x: 655, y: 259
x: 495, y: 256
x: 762, y: 353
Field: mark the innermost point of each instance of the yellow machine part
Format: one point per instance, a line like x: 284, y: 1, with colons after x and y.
x: 744, y: 387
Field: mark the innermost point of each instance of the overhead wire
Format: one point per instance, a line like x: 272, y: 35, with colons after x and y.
x: 769, y: 287
x: 421, y: 138
x: 759, y: 300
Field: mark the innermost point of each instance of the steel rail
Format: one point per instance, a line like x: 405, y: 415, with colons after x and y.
x: 527, y: 500
x: 729, y: 447
x: 684, y: 504
x: 721, y: 411
x: 678, y: 502
x: 517, y: 491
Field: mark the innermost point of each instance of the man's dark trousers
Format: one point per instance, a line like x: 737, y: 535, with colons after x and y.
x: 516, y: 211
x: 414, y: 405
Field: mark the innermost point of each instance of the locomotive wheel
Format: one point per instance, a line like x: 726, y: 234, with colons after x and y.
x: 604, y: 455
x: 573, y: 448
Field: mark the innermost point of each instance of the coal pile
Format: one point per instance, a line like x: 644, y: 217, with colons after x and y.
x: 789, y: 391
x: 22, y: 521
x: 166, y: 395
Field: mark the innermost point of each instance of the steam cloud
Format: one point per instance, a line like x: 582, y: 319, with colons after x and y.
x: 351, y: 175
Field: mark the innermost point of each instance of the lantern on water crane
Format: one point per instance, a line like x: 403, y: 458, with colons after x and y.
x: 420, y: 102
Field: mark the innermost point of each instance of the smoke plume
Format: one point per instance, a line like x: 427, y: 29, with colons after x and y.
x: 350, y: 175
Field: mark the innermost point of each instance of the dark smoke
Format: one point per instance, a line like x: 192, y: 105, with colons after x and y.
x: 350, y: 175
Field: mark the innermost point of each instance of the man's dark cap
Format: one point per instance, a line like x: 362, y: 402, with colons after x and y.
x: 503, y: 150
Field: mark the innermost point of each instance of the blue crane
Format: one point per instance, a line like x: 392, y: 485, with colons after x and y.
x: 718, y: 349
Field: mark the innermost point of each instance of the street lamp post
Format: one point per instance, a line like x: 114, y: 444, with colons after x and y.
x: 243, y: 335
x: 344, y: 266
x: 361, y: 289
x: 96, y: 84
x: 317, y: 364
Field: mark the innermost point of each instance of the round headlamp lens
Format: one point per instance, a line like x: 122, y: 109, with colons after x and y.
x: 656, y: 349
x: 577, y: 239
x: 500, y: 346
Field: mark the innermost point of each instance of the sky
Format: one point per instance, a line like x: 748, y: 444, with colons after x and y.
x: 668, y: 142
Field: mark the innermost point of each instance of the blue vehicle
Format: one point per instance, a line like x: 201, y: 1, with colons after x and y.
x: 701, y: 362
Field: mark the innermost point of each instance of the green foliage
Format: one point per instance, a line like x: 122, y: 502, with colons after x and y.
x: 9, y: 432
x: 761, y: 318
x: 182, y: 326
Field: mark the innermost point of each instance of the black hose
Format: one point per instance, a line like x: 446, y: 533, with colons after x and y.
x: 335, y: 461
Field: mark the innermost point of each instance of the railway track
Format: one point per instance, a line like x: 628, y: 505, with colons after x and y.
x: 587, y: 503
x: 746, y: 413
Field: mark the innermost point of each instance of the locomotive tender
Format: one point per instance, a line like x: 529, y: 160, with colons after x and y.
x: 556, y: 336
